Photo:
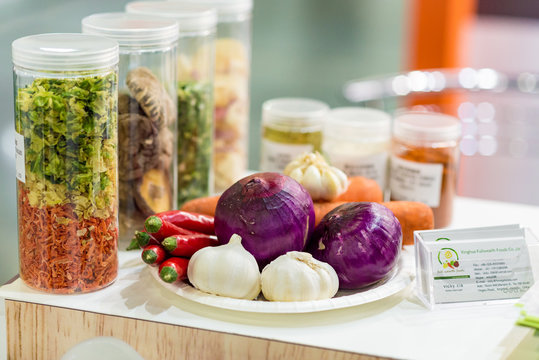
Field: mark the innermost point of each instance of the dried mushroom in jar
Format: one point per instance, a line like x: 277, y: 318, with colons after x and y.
x: 146, y: 147
x: 151, y: 95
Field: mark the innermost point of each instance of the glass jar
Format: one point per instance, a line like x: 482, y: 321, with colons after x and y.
x: 66, y: 88
x: 424, y: 161
x: 231, y: 88
x: 195, y: 70
x: 356, y: 140
x: 290, y: 127
x: 146, y: 114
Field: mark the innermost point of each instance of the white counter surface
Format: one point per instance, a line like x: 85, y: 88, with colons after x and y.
x: 398, y: 326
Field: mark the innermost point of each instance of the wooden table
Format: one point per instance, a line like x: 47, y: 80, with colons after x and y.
x: 161, y: 325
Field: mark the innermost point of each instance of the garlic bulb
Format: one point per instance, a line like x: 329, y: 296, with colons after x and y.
x: 297, y: 276
x: 322, y: 181
x: 226, y: 270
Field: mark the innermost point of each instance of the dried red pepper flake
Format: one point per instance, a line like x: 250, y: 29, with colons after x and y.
x: 69, y: 257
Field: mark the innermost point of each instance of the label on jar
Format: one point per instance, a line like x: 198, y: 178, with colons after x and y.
x: 371, y: 166
x: 275, y: 156
x: 19, y: 157
x: 415, y: 181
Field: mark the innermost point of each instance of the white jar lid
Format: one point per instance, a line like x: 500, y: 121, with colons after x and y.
x: 227, y: 10
x: 192, y: 17
x: 358, y: 124
x: 297, y: 113
x: 426, y: 126
x: 64, y: 52
x: 132, y: 29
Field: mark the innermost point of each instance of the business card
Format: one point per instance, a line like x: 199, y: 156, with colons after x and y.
x: 473, y: 264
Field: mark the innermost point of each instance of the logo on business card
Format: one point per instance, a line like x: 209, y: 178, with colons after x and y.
x: 448, y: 258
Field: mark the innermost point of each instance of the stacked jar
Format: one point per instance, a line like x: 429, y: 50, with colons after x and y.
x: 290, y: 127
x: 231, y: 88
x: 424, y: 161
x: 195, y: 69
x: 357, y: 140
x: 146, y: 114
x: 66, y: 160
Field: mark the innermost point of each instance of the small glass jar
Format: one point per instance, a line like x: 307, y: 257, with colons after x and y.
x: 424, y: 161
x: 357, y: 140
x: 146, y: 114
x: 290, y: 127
x: 195, y: 70
x: 66, y: 89
x: 231, y: 88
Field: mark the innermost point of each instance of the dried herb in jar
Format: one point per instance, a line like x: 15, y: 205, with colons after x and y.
x: 195, y: 133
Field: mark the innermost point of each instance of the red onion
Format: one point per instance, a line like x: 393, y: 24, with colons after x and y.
x: 272, y: 213
x: 361, y: 241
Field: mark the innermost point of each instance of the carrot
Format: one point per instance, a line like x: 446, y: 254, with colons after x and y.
x: 361, y: 189
x: 322, y: 208
x: 203, y: 205
x: 413, y: 216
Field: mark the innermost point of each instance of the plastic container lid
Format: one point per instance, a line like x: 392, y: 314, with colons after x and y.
x: 426, y: 126
x: 358, y: 124
x: 296, y: 113
x: 227, y: 10
x: 132, y: 29
x: 64, y: 52
x: 192, y: 17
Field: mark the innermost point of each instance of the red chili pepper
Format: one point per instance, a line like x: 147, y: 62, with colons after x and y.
x: 184, y: 219
x: 145, y: 239
x: 133, y: 245
x: 187, y: 245
x: 168, y: 229
x: 153, y: 255
x: 173, y: 269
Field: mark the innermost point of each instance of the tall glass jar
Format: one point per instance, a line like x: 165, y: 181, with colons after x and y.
x: 66, y: 159
x: 290, y: 127
x: 146, y: 114
x: 424, y: 161
x: 356, y: 140
x: 195, y: 70
x: 231, y: 89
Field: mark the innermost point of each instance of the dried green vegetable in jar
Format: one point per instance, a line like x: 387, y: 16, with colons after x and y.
x: 69, y: 142
x: 195, y: 133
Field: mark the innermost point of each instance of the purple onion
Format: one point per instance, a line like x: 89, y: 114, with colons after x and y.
x: 361, y: 241
x: 272, y: 213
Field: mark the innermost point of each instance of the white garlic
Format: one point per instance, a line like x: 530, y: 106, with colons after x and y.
x: 226, y: 270
x: 297, y: 276
x: 322, y: 181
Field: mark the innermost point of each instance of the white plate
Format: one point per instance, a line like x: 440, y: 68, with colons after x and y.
x: 398, y: 280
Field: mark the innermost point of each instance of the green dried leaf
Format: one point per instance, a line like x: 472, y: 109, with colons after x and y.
x: 69, y: 127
